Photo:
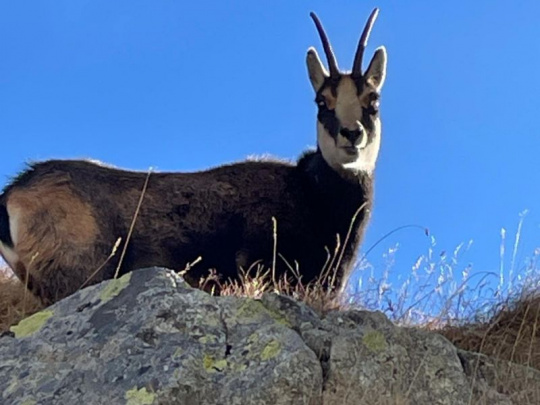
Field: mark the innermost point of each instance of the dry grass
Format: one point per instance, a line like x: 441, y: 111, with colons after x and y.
x: 474, y: 312
x: 321, y: 294
x: 15, y: 301
x: 512, y: 333
x: 508, y: 332
x: 511, y: 340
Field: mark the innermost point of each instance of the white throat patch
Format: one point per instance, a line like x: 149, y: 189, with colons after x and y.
x: 338, y: 159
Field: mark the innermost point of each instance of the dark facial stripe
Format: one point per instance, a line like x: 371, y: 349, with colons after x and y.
x: 369, y: 114
x: 359, y: 82
x: 327, y: 117
x: 5, y: 233
x: 367, y: 120
x: 329, y: 120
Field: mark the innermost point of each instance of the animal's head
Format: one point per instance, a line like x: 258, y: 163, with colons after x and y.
x: 348, y: 123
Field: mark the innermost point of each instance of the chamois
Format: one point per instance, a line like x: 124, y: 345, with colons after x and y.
x: 59, y: 219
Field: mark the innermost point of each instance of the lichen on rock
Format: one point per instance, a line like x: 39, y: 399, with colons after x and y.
x: 114, y: 287
x: 149, y: 338
x: 271, y: 350
x: 32, y: 324
x: 141, y: 396
x: 374, y: 341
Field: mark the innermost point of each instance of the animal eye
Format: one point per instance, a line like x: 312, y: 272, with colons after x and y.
x: 321, y: 102
x: 373, y: 108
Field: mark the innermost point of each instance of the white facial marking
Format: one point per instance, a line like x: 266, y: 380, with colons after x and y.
x: 340, y: 154
x: 13, y: 215
x: 9, y: 256
x: 367, y: 157
x: 348, y: 108
x: 363, y: 142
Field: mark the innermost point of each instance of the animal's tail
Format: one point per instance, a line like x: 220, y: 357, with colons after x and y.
x: 5, y: 233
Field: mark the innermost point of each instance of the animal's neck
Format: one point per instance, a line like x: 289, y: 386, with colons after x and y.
x: 319, y: 170
x: 337, y: 199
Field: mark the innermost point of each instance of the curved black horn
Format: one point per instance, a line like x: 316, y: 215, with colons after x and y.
x: 330, y: 57
x: 357, y: 65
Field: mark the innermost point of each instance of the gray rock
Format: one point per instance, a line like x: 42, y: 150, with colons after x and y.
x: 371, y: 359
x: 148, y: 338
x: 367, y: 360
x: 513, y: 383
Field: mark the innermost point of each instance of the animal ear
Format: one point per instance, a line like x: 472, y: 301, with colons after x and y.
x: 376, y: 72
x: 317, y: 71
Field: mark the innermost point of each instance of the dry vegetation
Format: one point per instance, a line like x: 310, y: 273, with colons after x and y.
x: 504, y: 325
x: 258, y: 280
x: 15, y: 302
x: 512, y: 333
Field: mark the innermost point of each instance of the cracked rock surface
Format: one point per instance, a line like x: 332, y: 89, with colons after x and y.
x: 149, y: 338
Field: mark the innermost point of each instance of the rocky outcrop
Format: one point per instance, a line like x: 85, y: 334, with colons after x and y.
x: 149, y: 338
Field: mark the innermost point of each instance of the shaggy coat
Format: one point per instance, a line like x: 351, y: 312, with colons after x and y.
x: 60, y: 220
x: 71, y: 213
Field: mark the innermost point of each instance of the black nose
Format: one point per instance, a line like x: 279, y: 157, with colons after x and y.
x: 351, y: 136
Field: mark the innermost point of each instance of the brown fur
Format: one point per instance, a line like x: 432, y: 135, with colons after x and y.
x: 70, y: 214
x: 59, y: 220
x: 54, y: 226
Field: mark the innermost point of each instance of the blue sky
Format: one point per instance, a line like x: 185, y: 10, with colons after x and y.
x: 188, y: 85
